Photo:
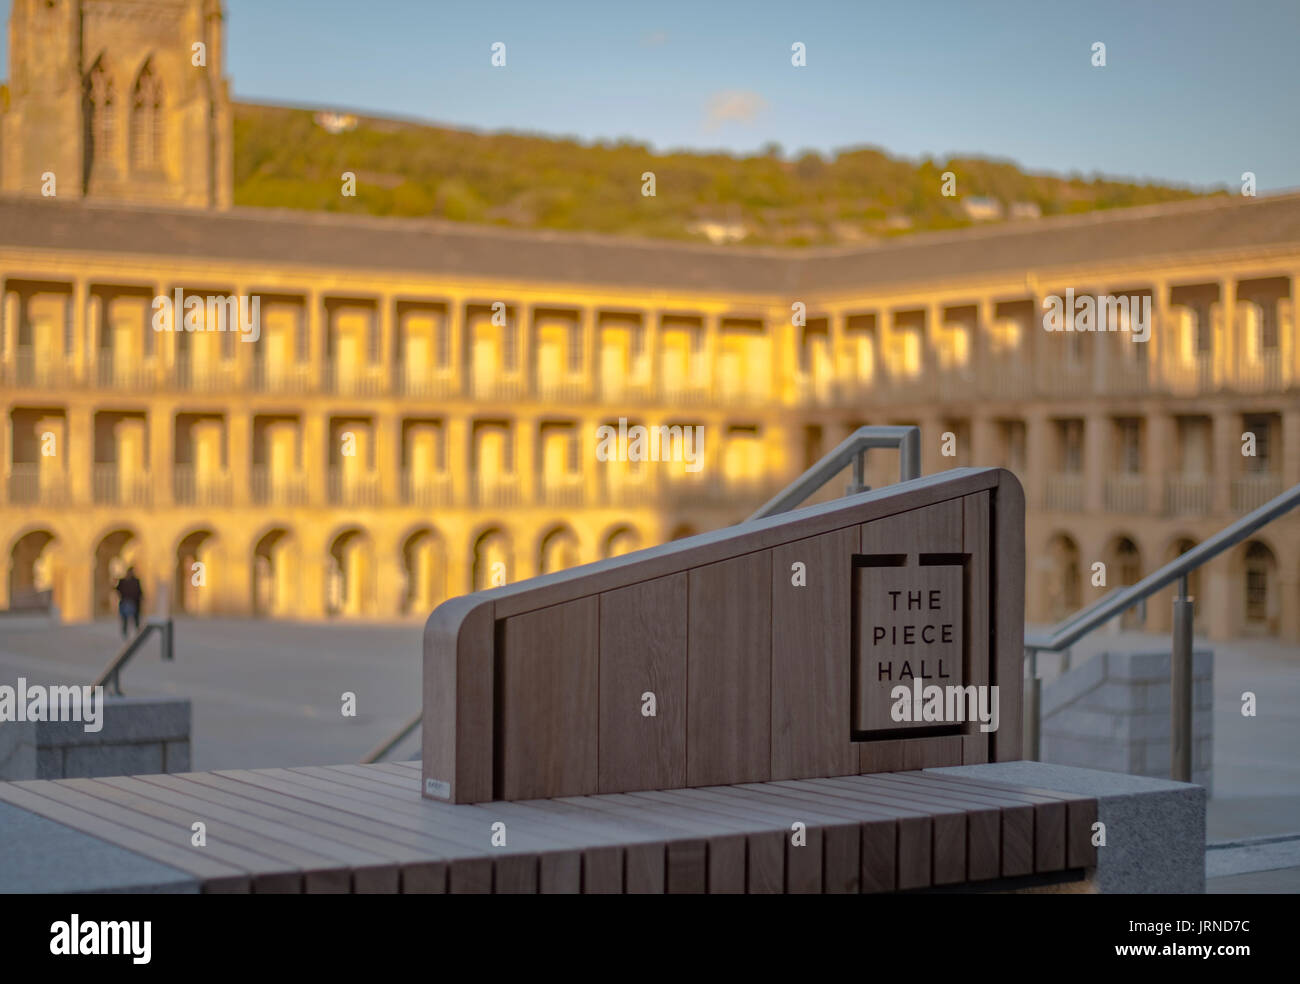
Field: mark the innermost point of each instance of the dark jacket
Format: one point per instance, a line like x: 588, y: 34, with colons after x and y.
x: 128, y: 589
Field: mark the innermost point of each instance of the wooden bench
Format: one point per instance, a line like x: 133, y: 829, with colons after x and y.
x: 365, y: 828
x: 711, y: 715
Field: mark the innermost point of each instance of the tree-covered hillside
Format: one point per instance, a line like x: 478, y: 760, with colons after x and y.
x: 286, y: 158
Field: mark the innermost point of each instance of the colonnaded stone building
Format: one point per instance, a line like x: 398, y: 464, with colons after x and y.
x: 418, y: 415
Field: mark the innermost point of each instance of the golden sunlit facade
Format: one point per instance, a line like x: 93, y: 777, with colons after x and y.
x: 420, y: 412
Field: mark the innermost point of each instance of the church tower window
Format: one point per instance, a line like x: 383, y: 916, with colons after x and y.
x: 147, y: 121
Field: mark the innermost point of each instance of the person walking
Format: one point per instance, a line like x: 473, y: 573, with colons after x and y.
x: 130, y: 598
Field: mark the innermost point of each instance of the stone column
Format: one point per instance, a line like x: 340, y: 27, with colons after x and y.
x: 1161, y: 439
x: 78, y: 452
x: 1096, y: 461
x: 239, y: 454
x: 1225, y: 464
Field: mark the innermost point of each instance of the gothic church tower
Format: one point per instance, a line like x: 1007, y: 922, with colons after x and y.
x: 119, y: 99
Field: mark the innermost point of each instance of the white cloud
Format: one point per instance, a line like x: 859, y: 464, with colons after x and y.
x: 733, y: 106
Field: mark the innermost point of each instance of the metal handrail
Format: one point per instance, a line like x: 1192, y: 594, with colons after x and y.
x: 110, y: 678
x: 1074, y: 628
x: 384, y: 747
x: 1078, y: 625
x: 852, y: 450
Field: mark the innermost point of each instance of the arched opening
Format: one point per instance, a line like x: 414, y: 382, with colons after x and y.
x: 99, y: 113
x: 558, y: 551
x: 194, y: 577
x: 114, y: 554
x: 1064, y: 584
x: 1124, y: 568
x: 1260, y: 599
x: 621, y: 540
x: 147, y: 120
x: 275, y: 574
x: 424, y: 562
x: 349, y: 583
x: 31, y: 571
x: 491, y: 560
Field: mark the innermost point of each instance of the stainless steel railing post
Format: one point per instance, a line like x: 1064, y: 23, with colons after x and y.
x: 1180, y: 687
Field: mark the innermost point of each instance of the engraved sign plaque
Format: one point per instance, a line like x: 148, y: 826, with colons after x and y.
x: 908, y: 630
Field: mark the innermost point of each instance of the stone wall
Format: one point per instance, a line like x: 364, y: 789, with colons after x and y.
x: 1112, y: 713
x: 140, y: 736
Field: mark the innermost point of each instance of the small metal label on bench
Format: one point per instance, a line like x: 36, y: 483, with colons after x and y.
x: 436, y: 787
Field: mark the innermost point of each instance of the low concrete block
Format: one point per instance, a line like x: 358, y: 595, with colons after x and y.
x: 92, y: 761
x: 126, y: 719
x: 1155, y: 829
x: 176, y: 756
x: 1113, y: 712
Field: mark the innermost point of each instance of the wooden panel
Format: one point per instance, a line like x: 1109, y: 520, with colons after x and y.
x: 1007, y: 600
x: 643, y: 870
x: 931, y: 753
x: 880, y: 756
x: 547, y: 694
x: 687, y: 867
x: 978, y: 630
x: 810, y: 657
x: 729, y: 724
x: 983, y: 823
x: 643, y: 649
x: 1080, y: 814
x: 456, y: 740
x: 734, y: 541
x: 933, y: 529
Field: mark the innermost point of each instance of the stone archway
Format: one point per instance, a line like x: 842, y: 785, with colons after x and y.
x: 621, y: 540
x: 491, y: 560
x: 350, y: 581
x: 116, y: 551
x: 275, y: 573
x: 195, y: 576
x: 31, y: 571
x: 558, y: 550
x: 424, y: 566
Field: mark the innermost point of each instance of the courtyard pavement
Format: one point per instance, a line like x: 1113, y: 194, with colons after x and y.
x: 269, y: 694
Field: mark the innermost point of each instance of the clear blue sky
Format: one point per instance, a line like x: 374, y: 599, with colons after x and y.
x: 1193, y: 91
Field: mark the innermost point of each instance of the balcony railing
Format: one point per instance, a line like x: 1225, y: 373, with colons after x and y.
x: 215, y: 377
x: 1187, y: 496
x: 1004, y: 377
x: 716, y: 490
x: 1252, y: 491
x: 30, y: 484
x: 273, y: 378
x: 111, y: 485
x: 1064, y: 493
x: 427, y: 490
x: 501, y: 490
x: 1123, y: 376
x: 113, y: 373
x: 1191, y: 377
x: 30, y: 371
x: 629, y: 492
x: 189, y: 488
x: 563, y: 492
x: 499, y: 388
x: 270, y: 489
x: 1066, y: 381
x: 1126, y: 494
x: 424, y: 385
x: 347, y: 489
x: 1261, y: 374
x: 360, y: 380
x: 562, y: 390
